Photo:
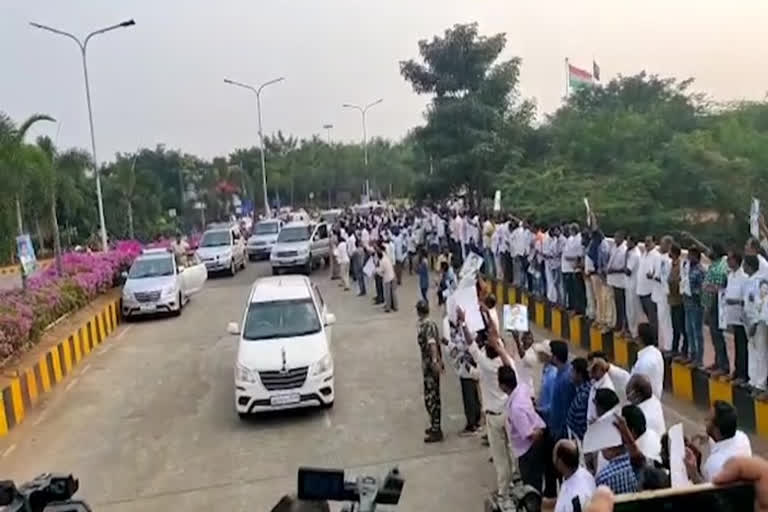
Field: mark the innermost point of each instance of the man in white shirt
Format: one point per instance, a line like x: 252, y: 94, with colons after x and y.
x: 342, y: 258
x: 646, y: 282
x: 401, y: 253
x: 574, y: 284
x: 605, y: 375
x: 494, y: 401
x: 755, y: 325
x: 616, y: 278
x: 387, y: 272
x: 650, y: 362
x: 640, y: 393
x: 633, y: 306
x: 647, y: 440
x: 578, y: 483
x: 722, y: 424
x: 661, y: 292
x: 552, y: 253
x: 518, y: 251
x: 734, y: 313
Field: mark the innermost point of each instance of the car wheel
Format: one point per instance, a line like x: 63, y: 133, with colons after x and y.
x: 181, y: 306
x: 329, y: 405
x: 308, y: 266
x: 244, y: 416
x: 232, y: 268
x: 275, y: 271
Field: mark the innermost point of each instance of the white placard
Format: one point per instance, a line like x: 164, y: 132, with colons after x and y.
x: 677, y: 472
x: 471, y: 265
x: 722, y: 319
x: 754, y: 215
x: 466, y: 299
x: 515, y: 318
x: 369, y: 268
x: 602, y: 433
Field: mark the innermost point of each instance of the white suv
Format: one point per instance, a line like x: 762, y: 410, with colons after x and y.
x: 283, y: 359
x: 301, y: 245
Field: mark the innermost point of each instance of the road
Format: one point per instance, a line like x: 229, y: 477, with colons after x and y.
x: 148, y: 421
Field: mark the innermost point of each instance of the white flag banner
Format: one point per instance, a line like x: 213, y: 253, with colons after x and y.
x: 754, y: 216
x: 602, y: 433
x: 589, y: 211
x: 369, y: 268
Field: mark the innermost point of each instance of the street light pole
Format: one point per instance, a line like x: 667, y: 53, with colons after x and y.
x: 328, y: 128
x: 363, y: 111
x: 257, y: 91
x: 83, y: 52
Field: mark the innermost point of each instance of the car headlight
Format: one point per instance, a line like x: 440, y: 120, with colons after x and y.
x: 243, y: 374
x: 324, y: 365
x: 303, y: 252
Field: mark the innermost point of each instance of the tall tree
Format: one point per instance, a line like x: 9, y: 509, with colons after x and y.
x: 475, y: 118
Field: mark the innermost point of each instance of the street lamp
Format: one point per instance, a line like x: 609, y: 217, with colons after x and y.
x: 327, y: 128
x: 83, y: 45
x: 363, y: 111
x: 257, y: 90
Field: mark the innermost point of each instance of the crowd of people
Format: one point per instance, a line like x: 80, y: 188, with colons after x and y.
x: 533, y: 403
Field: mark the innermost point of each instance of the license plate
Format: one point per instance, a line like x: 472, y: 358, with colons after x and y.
x: 147, y: 307
x: 293, y: 398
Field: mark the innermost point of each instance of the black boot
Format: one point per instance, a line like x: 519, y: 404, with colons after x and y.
x: 434, y: 436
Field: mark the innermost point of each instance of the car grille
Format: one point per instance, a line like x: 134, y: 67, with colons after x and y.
x: 258, y: 244
x: 287, y: 254
x: 277, y: 380
x: 152, y: 296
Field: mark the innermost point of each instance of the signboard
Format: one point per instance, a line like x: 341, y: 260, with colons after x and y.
x: 25, y: 251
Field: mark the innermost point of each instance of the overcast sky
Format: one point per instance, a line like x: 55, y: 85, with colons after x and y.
x: 162, y: 80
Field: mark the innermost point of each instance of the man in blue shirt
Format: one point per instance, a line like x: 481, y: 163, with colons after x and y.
x: 562, y: 395
x: 548, y: 375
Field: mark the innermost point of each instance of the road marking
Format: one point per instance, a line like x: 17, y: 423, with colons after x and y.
x: 71, y: 384
x: 327, y: 418
x: 123, y: 332
x: 8, y: 451
x: 41, y: 417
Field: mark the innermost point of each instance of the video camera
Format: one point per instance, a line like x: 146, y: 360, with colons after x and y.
x: 330, y: 484
x: 46, y: 493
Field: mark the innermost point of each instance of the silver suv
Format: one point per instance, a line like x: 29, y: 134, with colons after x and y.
x: 301, y: 245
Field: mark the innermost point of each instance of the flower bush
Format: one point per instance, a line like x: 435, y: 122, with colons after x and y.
x: 24, y: 314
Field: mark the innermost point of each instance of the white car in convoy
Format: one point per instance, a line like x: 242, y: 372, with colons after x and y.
x: 155, y: 284
x: 263, y: 239
x: 222, y: 249
x: 284, y: 356
x: 301, y: 244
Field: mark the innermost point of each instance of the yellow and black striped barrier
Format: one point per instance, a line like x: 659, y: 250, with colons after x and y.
x: 686, y: 382
x: 16, y: 269
x: 28, y: 385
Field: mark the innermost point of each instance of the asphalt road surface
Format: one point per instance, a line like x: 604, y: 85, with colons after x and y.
x: 148, y: 422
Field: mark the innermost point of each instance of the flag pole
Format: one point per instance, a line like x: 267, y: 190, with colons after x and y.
x: 567, y: 84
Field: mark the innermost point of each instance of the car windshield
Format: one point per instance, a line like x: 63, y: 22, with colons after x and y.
x: 294, y: 234
x: 265, y: 228
x: 280, y: 319
x: 215, y: 239
x: 151, y: 267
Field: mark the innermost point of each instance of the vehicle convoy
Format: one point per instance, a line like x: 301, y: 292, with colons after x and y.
x: 263, y: 239
x: 301, y: 245
x: 284, y: 356
x: 222, y: 250
x: 156, y: 284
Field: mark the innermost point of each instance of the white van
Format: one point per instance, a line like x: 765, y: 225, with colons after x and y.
x: 283, y: 357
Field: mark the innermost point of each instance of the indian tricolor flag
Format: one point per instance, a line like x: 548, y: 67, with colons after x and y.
x: 578, y: 77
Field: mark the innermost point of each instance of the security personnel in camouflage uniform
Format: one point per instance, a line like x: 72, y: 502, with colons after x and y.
x: 431, y: 367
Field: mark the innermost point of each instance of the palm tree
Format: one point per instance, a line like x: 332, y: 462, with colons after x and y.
x: 12, y: 165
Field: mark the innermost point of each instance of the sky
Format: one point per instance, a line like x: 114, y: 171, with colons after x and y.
x: 161, y: 81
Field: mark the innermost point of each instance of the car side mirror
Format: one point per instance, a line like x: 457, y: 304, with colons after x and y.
x: 233, y: 328
x: 330, y: 319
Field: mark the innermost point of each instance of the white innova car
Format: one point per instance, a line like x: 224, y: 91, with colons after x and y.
x: 283, y: 359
